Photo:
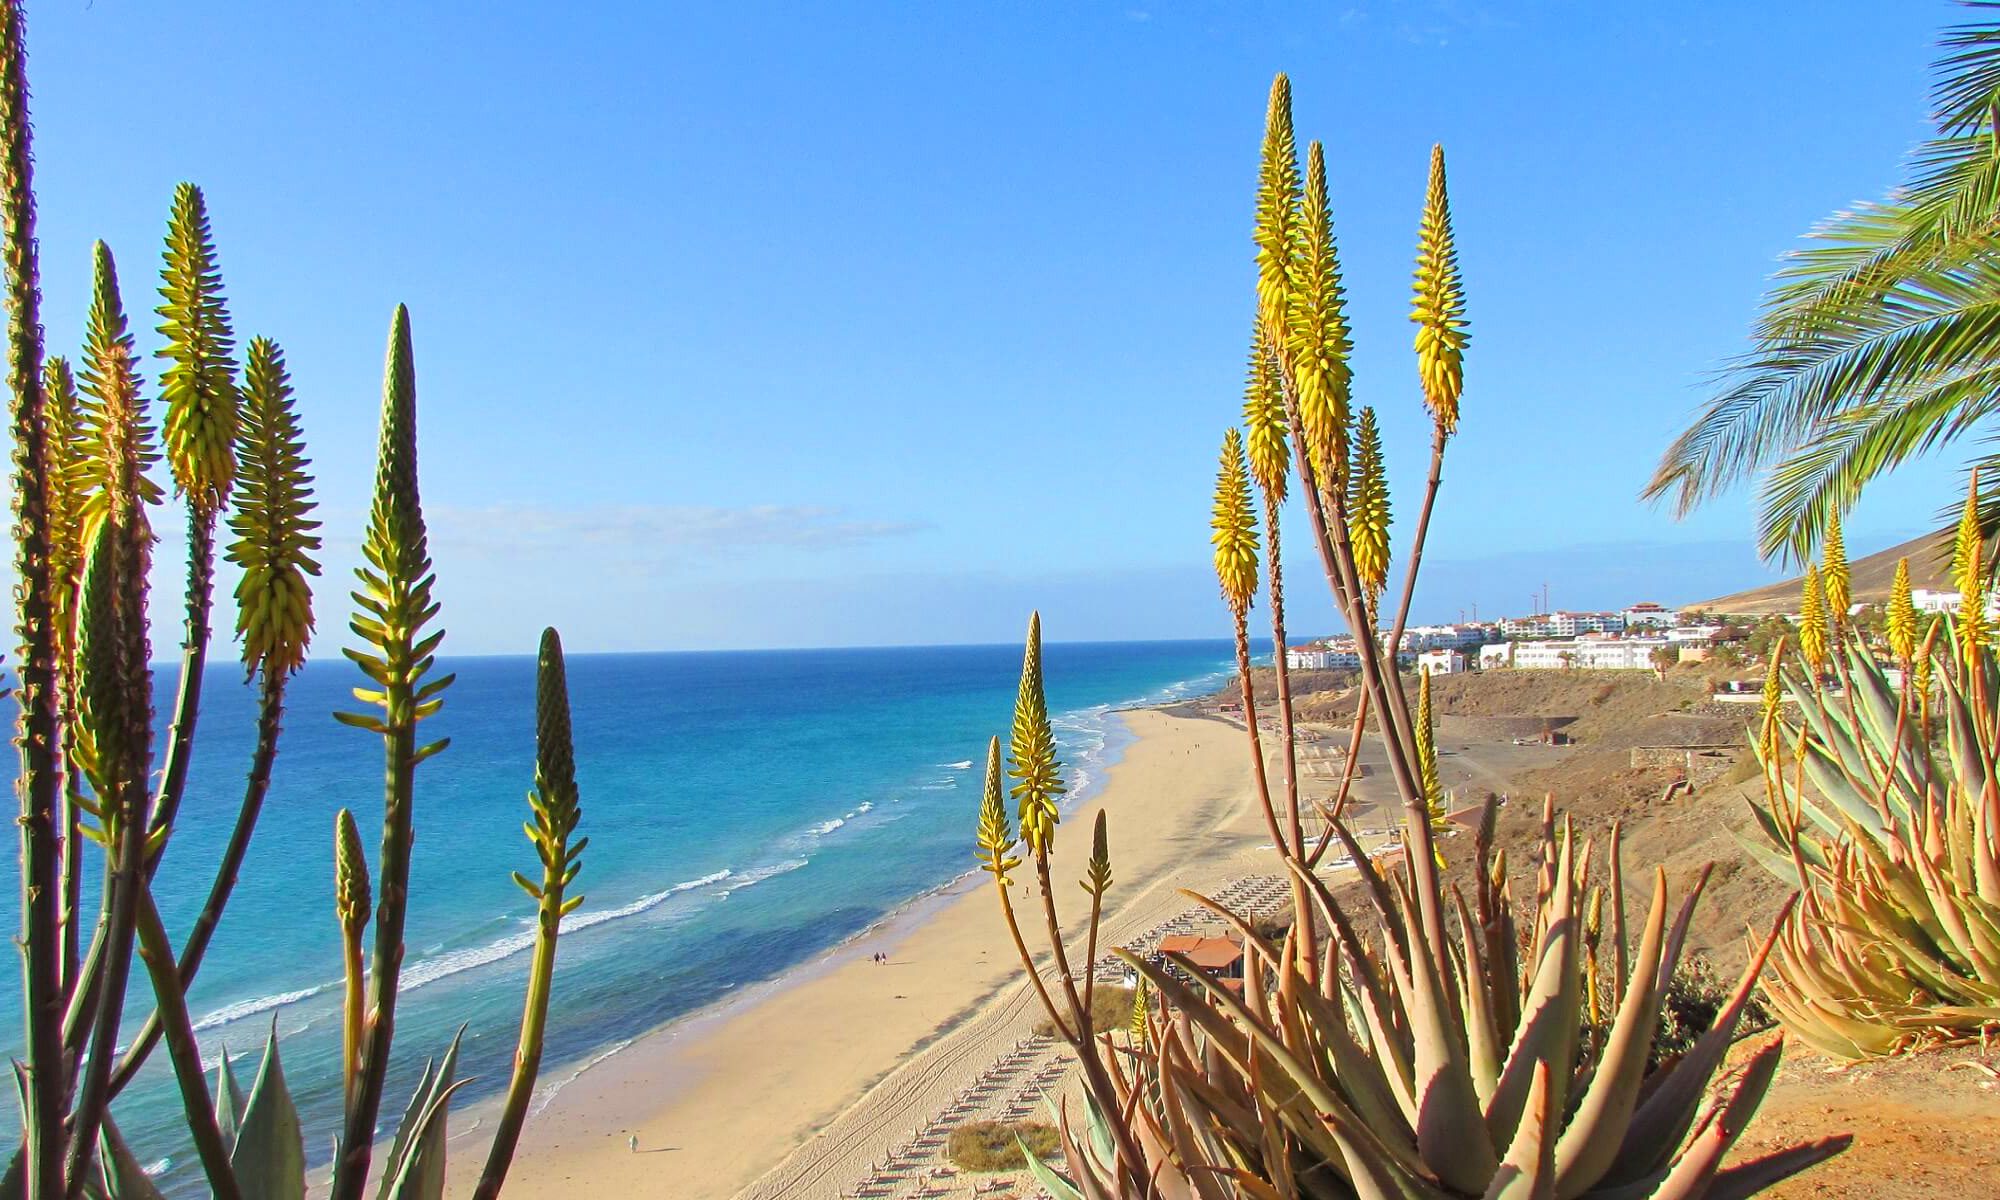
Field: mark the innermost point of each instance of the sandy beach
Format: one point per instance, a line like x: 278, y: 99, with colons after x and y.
x: 796, y: 1088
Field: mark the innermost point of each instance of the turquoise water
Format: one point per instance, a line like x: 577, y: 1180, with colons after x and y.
x: 745, y: 810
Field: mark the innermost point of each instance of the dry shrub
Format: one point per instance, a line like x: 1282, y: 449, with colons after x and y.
x: 1110, y: 1011
x: 993, y: 1145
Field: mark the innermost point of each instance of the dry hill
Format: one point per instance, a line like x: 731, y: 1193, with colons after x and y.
x: 1930, y: 567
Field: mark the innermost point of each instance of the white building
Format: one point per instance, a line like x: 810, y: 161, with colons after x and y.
x: 1588, y: 654
x: 1571, y: 624
x: 1305, y: 658
x: 1495, y: 655
x: 1930, y: 601
x: 1444, y: 637
x: 1442, y: 662
x: 1693, y: 634
x: 1326, y: 656
x: 1563, y: 624
x: 1649, y: 614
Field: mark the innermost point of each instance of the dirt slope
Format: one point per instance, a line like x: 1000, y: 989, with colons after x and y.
x: 1930, y: 567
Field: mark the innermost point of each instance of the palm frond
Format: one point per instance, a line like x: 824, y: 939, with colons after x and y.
x: 1801, y: 493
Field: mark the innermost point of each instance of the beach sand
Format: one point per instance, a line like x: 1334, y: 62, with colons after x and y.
x: 797, y: 1087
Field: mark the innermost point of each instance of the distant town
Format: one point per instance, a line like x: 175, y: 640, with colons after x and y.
x: 1643, y: 637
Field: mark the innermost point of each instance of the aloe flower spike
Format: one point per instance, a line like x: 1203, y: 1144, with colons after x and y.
x: 1235, y: 528
x: 394, y: 607
x: 1901, y: 619
x: 1438, y: 306
x: 996, y: 836
x: 1032, y: 762
x: 1969, y: 572
x: 557, y: 810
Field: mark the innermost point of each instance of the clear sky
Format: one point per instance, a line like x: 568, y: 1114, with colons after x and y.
x: 857, y: 323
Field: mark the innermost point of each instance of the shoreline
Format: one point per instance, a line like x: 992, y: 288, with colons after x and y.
x: 911, y: 911
x: 740, y: 1091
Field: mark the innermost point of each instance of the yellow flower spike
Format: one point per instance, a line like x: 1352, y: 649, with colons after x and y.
x: 1968, y: 570
x: 1773, y: 701
x: 1812, y: 621
x: 1142, y: 1017
x: 1835, y: 575
x: 199, y: 382
x: 1270, y: 451
x: 1033, y: 766
x: 1438, y: 307
x: 1317, y: 335
x: 1277, y: 214
x: 1901, y: 620
x: 1427, y: 757
x: 1235, y: 526
x: 273, y: 522
x: 1368, y: 506
x: 996, y: 836
x: 1924, y: 665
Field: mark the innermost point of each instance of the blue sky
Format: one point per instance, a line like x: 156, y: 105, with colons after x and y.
x: 773, y: 325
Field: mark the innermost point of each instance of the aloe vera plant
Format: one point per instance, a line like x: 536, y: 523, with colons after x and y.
x: 1468, y: 1050
x: 84, y: 455
x: 1879, y: 804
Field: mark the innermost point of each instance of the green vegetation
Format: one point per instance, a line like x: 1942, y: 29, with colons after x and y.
x: 1481, y: 1045
x: 996, y: 1145
x: 83, y: 460
x: 1880, y: 810
x: 1110, y: 1012
x: 1876, y: 343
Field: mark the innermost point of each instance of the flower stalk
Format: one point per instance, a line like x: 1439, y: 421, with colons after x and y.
x: 556, y: 810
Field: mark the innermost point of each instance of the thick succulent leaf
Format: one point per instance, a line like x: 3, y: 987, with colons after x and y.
x: 269, y: 1159
x: 1667, y: 1113
x: 1476, y: 988
x: 1090, y: 1185
x: 1692, y: 1175
x: 1745, y: 1180
x: 1591, y: 1140
x: 417, y: 1173
x: 1548, y: 1032
x: 1528, y: 1170
x: 1826, y: 774
x: 1045, y: 1175
x: 124, y: 1178
x: 228, y: 1102
x: 399, y: 1142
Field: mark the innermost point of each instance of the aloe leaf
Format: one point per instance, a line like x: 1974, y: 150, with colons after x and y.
x: 1691, y: 1176
x: 399, y: 1142
x: 1665, y: 1116
x: 1747, y: 1179
x: 1528, y: 1170
x: 1548, y: 1030
x: 421, y: 1176
x: 415, y: 1168
x: 228, y: 1102
x: 1826, y: 775
x: 1590, y: 1141
x: 1045, y: 1175
x: 124, y: 1178
x: 269, y: 1158
x: 1102, y: 1146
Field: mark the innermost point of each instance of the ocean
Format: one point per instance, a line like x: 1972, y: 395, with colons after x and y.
x: 747, y: 811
